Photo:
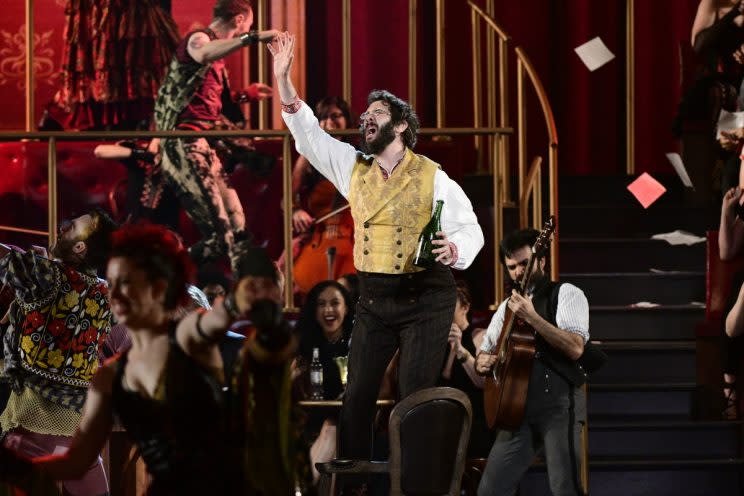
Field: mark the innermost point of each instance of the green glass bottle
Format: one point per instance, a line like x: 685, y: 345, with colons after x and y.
x: 424, y: 258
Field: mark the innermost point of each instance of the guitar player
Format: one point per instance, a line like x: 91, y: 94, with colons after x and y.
x: 555, y: 408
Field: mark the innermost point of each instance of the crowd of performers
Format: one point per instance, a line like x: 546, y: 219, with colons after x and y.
x: 205, y: 386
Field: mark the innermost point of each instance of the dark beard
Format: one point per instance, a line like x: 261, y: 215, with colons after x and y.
x: 538, y: 279
x: 385, y: 136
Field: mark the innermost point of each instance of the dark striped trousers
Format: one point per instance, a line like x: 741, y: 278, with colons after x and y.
x: 412, y: 312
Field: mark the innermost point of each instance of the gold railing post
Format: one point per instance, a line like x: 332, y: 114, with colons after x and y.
x: 30, y: 125
x: 346, y: 49
x: 263, y: 105
x: 440, y: 62
x: 490, y: 83
x: 412, y: 51
x: 52, y: 190
x: 521, y: 127
x: 289, y: 305
x: 503, y: 159
x: 537, y: 199
x: 477, y: 93
x: 498, y: 230
x: 630, y: 88
x: 553, y: 191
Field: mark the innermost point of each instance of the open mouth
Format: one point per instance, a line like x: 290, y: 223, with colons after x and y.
x: 370, y: 132
x: 330, y: 320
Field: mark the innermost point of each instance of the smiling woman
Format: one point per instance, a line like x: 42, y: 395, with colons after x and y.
x: 325, y: 323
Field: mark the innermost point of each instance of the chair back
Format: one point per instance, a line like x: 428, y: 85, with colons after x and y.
x: 429, y: 433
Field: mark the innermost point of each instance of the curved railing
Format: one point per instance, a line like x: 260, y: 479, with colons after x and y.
x: 529, y: 184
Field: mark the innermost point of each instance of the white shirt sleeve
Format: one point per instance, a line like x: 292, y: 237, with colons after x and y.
x: 494, y: 329
x: 458, y: 219
x: 572, y: 314
x: 331, y: 157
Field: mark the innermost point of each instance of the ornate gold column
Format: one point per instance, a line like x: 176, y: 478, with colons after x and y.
x: 30, y: 125
x: 440, y: 62
x: 630, y: 87
x: 412, y: 51
x: 346, y: 49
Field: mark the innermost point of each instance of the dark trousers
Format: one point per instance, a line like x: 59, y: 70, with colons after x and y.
x: 412, y: 312
x: 555, y: 414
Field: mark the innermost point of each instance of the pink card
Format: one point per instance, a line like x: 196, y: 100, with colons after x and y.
x: 646, y: 189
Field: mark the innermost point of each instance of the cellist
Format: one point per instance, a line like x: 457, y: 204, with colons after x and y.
x: 313, y: 198
x: 555, y: 409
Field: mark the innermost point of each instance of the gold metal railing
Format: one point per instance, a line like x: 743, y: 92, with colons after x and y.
x: 529, y: 184
x: 53, y: 136
x: 491, y: 147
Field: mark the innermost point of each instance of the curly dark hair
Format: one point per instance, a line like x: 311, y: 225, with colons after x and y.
x: 516, y: 240
x: 311, y: 334
x: 161, y: 254
x: 400, y: 111
x: 227, y: 9
x: 98, y: 240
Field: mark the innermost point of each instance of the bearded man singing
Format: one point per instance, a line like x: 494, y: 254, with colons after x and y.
x: 392, y: 192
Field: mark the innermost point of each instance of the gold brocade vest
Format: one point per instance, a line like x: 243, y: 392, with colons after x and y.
x: 390, y: 215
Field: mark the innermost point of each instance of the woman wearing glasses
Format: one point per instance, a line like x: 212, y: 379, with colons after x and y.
x: 322, y: 249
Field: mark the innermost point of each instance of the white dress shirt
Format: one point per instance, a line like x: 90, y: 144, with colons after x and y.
x: 572, y: 315
x: 335, y: 160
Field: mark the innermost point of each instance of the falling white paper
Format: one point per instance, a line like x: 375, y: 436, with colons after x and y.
x: 729, y: 121
x: 679, y: 238
x: 594, y: 54
x: 679, y: 167
x: 644, y: 304
x: 660, y: 271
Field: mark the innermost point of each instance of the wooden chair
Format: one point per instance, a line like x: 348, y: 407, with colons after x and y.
x: 429, y: 432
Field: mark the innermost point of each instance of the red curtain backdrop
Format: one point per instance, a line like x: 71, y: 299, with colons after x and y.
x: 589, y: 107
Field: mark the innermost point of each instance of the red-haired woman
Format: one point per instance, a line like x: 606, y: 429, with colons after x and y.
x: 167, y: 388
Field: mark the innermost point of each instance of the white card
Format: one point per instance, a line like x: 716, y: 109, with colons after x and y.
x: 594, y: 54
x: 679, y: 237
x: 679, y: 167
x: 729, y: 121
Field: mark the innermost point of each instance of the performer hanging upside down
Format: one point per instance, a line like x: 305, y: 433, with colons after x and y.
x: 191, y: 99
x: 392, y: 193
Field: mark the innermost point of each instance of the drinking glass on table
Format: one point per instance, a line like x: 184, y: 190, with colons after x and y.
x: 342, y: 364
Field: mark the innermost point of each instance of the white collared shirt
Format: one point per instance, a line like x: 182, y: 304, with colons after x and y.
x: 335, y: 160
x: 572, y: 315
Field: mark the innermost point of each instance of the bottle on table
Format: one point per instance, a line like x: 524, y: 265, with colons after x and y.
x: 316, y: 376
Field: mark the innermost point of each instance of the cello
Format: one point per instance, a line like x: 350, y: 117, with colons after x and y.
x: 505, y: 388
x: 327, y: 250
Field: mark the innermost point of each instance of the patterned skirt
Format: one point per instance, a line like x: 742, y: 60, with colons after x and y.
x: 116, y: 53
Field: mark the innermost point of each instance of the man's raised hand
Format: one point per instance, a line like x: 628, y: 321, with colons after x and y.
x: 282, y: 49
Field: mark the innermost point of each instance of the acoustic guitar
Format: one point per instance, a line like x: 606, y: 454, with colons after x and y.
x: 505, y: 389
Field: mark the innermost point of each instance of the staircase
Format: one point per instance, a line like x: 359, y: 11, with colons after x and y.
x: 645, y: 437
